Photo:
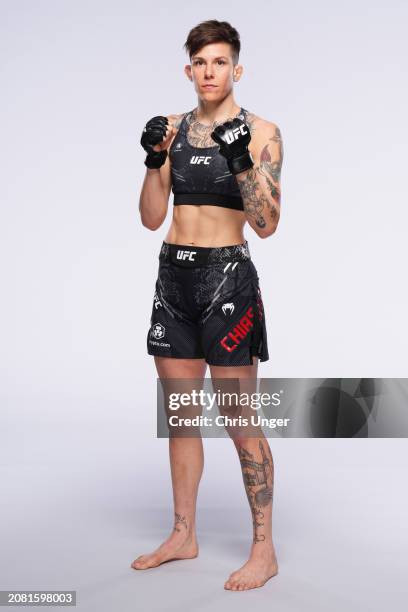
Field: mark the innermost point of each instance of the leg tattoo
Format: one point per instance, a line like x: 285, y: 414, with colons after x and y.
x: 180, y: 520
x: 258, y: 480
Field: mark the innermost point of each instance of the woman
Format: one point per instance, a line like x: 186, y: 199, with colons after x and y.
x: 223, y: 164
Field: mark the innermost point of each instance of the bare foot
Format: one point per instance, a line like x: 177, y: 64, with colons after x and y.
x: 178, y: 545
x: 257, y: 570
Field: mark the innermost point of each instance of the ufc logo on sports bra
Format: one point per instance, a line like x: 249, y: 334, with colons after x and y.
x: 232, y: 135
x: 186, y: 255
x: 200, y: 159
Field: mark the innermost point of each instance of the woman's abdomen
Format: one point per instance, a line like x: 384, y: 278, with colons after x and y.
x: 206, y: 226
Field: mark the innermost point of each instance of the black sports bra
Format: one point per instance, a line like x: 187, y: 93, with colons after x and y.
x: 200, y: 175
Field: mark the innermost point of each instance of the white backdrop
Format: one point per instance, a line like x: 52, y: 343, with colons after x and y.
x: 79, y: 80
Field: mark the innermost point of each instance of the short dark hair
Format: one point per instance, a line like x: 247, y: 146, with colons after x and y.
x: 213, y: 31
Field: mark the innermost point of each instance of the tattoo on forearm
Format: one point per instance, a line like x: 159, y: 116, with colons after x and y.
x: 254, y: 203
x: 271, y: 172
x: 258, y: 481
x: 179, y: 520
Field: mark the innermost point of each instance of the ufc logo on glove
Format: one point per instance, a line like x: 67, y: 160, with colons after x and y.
x: 234, y: 134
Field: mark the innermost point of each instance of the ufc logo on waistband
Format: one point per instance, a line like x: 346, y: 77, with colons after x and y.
x: 186, y: 255
x: 232, y: 135
x: 200, y: 159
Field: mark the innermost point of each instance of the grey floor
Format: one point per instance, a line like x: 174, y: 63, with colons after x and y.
x: 77, y: 507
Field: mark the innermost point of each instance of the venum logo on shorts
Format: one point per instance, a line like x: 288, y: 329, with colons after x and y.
x: 240, y: 331
x: 201, y: 159
x: 186, y: 255
x: 228, y: 308
x: 157, y: 301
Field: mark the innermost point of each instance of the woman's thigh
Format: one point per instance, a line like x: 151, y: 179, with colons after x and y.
x: 170, y: 367
x: 177, y: 377
x: 241, y: 372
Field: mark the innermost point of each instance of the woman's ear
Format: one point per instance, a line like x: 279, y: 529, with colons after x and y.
x: 187, y: 70
x: 238, y: 70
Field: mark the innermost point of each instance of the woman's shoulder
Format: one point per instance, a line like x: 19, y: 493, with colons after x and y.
x: 258, y: 125
x: 176, y: 119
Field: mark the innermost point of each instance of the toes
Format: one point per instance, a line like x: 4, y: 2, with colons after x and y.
x: 235, y: 586
x: 142, y: 562
x: 241, y: 581
x: 229, y: 585
x: 244, y: 586
x: 241, y: 584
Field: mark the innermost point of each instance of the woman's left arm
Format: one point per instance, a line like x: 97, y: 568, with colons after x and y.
x: 260, y: 185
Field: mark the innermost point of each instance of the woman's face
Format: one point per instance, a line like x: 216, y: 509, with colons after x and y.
x: 213, y: 72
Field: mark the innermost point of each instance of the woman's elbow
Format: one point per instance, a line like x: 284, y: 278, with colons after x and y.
x: 267, y: 231
x: 151, y: 224
x: 152, y: 219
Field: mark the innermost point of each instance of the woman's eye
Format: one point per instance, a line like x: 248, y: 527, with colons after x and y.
x: 199, y: 62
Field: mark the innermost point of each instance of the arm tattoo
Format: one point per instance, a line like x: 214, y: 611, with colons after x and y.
x: 179, y: 520
x: 256, y: 204
x: 272, y: 170
x: 258, y: 481
x: 253, y: 203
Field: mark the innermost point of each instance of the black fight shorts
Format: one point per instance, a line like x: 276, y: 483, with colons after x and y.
x: 208, y: 305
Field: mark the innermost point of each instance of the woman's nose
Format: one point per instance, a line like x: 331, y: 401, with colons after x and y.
x: 208, y: 71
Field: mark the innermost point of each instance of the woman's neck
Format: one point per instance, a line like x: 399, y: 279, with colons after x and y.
x: 209, y: 113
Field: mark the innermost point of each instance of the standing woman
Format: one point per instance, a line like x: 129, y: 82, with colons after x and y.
x: 223, y: 165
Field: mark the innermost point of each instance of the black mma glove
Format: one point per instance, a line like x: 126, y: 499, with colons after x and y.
x: 154, y: 132
x: 234, y: 138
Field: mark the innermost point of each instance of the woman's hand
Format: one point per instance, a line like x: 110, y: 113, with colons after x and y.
x: 157, y: 135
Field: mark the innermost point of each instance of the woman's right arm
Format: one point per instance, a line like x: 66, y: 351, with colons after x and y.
x: 154, y: 196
